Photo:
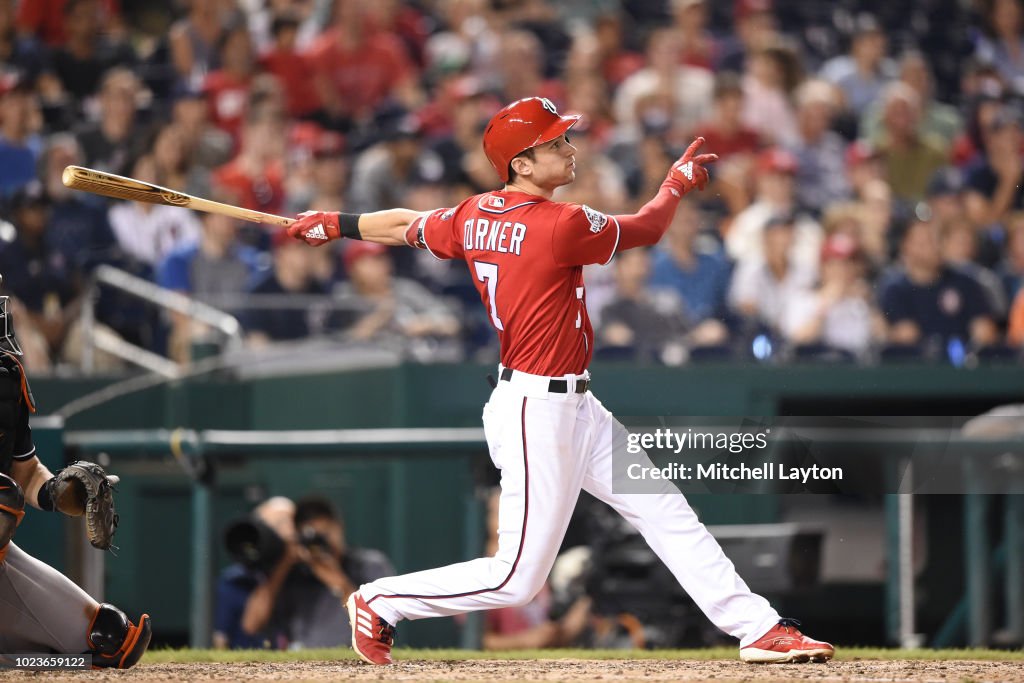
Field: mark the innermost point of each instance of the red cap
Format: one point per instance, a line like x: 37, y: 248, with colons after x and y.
x: 358, y: 249
x: 521, y: 125
x: 777, y: 160
x: 839, y: 246
x: 858, y: 152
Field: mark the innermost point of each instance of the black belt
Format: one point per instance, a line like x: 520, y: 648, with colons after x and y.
x: 555, y: 386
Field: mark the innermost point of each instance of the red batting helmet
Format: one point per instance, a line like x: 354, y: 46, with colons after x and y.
x: 521, y: 125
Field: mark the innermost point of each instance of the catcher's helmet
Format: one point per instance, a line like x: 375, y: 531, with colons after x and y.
x: 521, y: 125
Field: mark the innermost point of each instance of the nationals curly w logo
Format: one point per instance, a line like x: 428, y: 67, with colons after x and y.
x: 174, y: 198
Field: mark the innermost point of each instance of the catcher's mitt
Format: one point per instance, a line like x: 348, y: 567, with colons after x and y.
x: 84, y: 488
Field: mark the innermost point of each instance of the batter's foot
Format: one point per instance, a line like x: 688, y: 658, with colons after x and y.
x: 784, y: 643
x: 372, y: 636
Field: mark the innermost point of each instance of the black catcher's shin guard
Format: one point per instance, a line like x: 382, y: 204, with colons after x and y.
x: 114, y: 641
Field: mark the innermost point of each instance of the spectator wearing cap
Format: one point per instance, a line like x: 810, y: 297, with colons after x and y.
x: 1002, y: 41
x: 292, y: 274
x: 995, y: 182
x: 945, y: 195
x: 386, y: 308
x: 640, y: 321
x: 755, y: 29
x: 383, y: 173
x: 356, y: 68
x: 820, y: 151
x: 763, y: 289
x: 863, y: 165
x: 20, y: 145
x: 683, y: 92
x: 853, y: 220
x: 328, y: 174
x: 910, y: 157
x: 864, y: 70
x: 696, y: 267
x: 283, y: 59
x: 87, y: 52
x: 840, y: 313
x: 112, y: 141
x: 148, y: 232
x: 926, y: 302
x: 217, y: 268
x: 775, y: 195
x: 938, y: 120
x: 227, y: 89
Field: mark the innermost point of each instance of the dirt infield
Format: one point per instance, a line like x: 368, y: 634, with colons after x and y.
x: 549, y: 670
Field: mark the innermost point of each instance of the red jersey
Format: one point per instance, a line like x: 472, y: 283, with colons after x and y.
x: 526, y: 255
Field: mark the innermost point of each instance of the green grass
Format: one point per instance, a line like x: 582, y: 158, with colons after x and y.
x: 844, y: 654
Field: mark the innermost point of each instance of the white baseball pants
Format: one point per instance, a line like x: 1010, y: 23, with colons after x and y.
x: 548, y: 446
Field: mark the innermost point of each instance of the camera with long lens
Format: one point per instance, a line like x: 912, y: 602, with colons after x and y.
x: 313, y: 540
x: 252, y: 543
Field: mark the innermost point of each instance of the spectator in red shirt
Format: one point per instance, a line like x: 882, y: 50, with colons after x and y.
x: 227, y: 88
x: 734, y: 143
x: 256, y: 175
x: 617, y: 61
x: 356, y: 69
x: 291, y: 67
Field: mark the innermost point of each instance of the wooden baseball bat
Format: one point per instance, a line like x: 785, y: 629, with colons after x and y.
x: 119, y: 187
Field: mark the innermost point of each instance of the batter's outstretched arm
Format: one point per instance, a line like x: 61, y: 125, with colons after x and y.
x: 386, y: 227
x: 647, y: 226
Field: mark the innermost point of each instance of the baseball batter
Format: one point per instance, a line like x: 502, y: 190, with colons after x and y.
x: 41, y: 610
x: 546, y: 432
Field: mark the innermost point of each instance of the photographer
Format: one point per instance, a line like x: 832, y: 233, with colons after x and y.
x: 258, y: 545
x: 304, y: 594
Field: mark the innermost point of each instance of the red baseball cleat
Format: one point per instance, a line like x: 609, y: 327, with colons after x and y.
x: 372, y: 636
x: 784, y: 643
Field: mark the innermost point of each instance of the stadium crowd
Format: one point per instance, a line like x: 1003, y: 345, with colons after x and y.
x: 868, y: 203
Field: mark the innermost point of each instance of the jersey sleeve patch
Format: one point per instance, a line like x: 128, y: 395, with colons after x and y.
x: 598, y: 220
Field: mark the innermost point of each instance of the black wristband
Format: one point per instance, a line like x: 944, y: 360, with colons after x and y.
x: 43, y: 497
x: 348, y: 224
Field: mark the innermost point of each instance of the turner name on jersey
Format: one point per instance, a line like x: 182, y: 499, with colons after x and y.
x: 504, y: 237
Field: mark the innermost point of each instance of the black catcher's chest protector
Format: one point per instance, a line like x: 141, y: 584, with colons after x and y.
x: 15, y: 405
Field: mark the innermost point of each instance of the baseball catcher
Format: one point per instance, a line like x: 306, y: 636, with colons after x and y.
x: 41, y: 610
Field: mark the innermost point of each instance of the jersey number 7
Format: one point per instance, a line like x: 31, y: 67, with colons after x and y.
x: 488, y: 274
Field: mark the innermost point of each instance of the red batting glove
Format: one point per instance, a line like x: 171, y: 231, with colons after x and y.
x: 316, y: 228
x: 688, y: 171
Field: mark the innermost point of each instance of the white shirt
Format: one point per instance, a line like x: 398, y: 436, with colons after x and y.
x: 150, y: 235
